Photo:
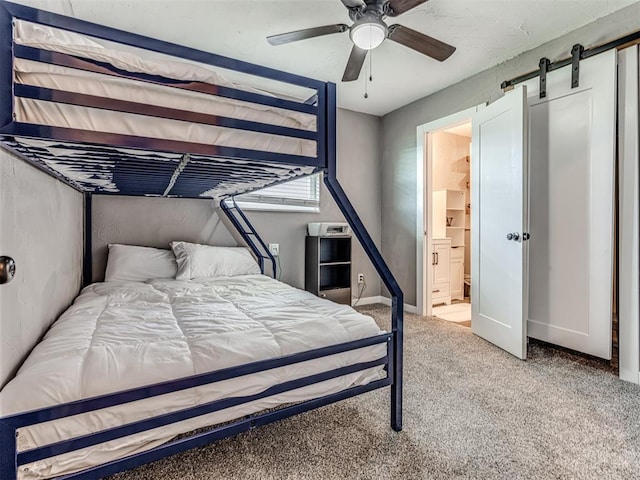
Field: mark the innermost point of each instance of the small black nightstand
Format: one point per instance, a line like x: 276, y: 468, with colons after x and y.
x: 328, y: 267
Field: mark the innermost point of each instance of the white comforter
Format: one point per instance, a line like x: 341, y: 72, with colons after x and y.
x: 122, y: 335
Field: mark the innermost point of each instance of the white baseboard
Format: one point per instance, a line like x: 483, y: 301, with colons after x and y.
x: 385, y: 301
x: 368, y: 300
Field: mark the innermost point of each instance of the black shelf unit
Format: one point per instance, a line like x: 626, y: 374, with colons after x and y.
x: 328, y: 267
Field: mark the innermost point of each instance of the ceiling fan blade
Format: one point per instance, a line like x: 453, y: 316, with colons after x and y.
x: 354, y: 65
x: 398, y: 7
x: 306, y: 33
x: 420, y: 42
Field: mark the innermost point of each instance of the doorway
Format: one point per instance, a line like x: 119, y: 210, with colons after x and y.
x: 497, y: 231
x: 450, y: 293
x: 443, y: 218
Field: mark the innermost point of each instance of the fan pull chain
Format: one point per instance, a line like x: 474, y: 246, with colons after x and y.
x: 366, y: 95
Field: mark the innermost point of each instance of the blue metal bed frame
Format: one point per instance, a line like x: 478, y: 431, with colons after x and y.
x: 322, y: 104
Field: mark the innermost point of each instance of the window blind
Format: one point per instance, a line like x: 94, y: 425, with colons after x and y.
x: 301, y: 192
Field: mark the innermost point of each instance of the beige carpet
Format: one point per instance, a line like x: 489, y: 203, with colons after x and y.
x: 471, y: 412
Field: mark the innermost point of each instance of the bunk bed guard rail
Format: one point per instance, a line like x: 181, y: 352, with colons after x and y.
x: 99, y: 162
x: 12, y: 460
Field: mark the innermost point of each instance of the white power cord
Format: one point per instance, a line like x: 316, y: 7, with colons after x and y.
x: 279, y: 267
x: 363, y: 287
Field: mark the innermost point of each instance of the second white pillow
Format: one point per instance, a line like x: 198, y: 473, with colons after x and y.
x: 131, y: 263
x: 201, y: 261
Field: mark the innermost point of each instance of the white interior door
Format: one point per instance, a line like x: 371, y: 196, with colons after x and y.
x: 572, y: 161
x: 498, y: 211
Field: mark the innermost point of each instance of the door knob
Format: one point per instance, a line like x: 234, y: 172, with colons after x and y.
x: 7, y: 269
x: 513, y: 236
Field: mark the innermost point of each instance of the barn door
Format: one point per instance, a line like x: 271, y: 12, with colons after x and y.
x: 572, y: 161
x: 498, y: 222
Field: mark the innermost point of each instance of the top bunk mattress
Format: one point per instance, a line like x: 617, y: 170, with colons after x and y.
x: 113, y: 114
x: 120, y: 335
x: 114, y: 84
x: 106, y: 83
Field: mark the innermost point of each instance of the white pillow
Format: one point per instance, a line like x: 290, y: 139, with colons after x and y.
x: 129, y: 263
x: 200, y: 261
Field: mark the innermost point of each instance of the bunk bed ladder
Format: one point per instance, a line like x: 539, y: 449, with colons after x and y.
x: 248, y: 233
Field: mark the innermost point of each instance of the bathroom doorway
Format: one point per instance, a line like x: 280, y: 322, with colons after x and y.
x: 444, y: 268
x: 451, y: 224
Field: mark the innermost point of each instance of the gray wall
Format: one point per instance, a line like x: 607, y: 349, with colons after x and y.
x: 41, y: 227
x: 399, y: 134
x: 152, y: 222
x: 158, y: 221
x: 358, y: 149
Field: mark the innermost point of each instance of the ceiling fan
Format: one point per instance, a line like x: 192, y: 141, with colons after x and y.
x: 369, y: 30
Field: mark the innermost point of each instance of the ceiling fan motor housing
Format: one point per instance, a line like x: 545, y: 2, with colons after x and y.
x: 368, y: 31
x: 380, y: 9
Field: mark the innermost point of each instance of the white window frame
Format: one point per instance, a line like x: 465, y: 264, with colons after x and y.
x: 254, y: 201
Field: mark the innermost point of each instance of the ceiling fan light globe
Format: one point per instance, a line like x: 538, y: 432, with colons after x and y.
x: 368, y: 34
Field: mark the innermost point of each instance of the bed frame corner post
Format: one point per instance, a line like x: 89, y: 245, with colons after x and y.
x: 397, y: 320
x: 327, y: 100
x: 8, y: 451
x: 87, y: 261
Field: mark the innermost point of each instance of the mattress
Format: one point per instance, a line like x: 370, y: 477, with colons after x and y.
x: 41, y: 112
x: 120, y: 335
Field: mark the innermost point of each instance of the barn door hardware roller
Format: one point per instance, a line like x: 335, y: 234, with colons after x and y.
x: 7, y: 269
x: 545, y: 63
x: 576, y: 56
x: 546, y: 66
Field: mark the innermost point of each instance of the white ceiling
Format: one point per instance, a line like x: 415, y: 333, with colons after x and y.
x: 485, y: 32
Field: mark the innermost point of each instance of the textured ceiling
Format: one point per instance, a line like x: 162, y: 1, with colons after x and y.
x: 485, y: 32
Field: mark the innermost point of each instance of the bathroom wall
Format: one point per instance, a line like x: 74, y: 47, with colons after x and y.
x: 450, y: 167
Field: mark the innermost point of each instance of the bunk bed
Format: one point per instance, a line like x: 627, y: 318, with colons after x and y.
x: 114, y: 113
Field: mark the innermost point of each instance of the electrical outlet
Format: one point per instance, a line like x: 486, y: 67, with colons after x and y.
x: 274, y: 248
x: 361, y: 278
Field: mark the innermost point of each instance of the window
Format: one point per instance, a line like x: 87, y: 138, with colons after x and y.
x: 299, y: 195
